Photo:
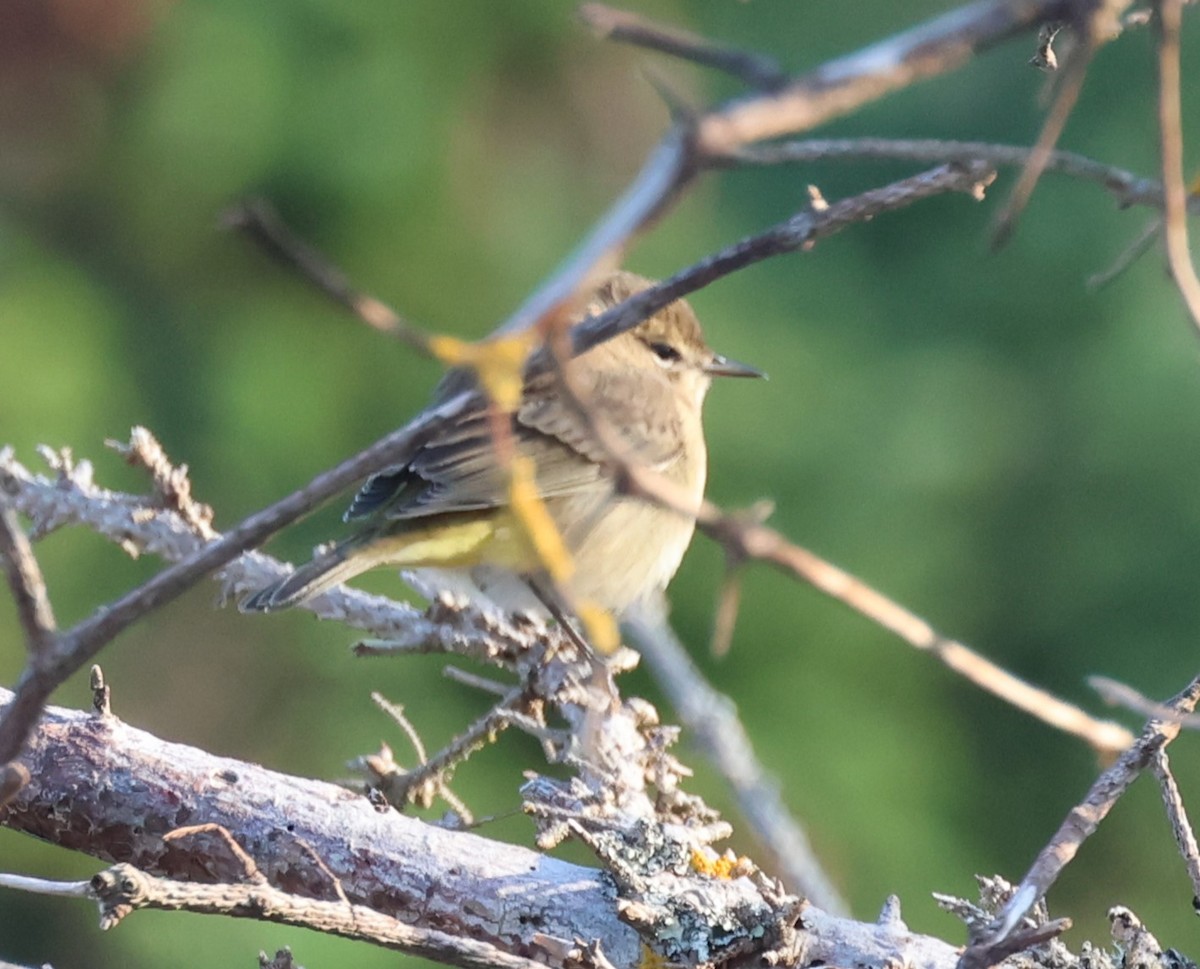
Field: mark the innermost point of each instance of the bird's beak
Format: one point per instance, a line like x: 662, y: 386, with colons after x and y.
x: 720, y: 366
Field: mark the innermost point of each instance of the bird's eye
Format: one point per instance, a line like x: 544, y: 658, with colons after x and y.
x: 665, y: 352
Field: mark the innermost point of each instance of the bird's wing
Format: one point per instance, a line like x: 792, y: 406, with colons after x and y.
x: 457, y: 470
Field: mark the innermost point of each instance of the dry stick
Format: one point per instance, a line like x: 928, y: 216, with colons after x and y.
x: 1064, y: 103
x: 78, y: 645
x: 28, y: 587
x: 756, y: 70
x: 171, y: 483
x: 258, y: 220
x: 1119, y: 694
x: 441, y: 785
x: 1128, y: 189
x: 474, y: 738
x: 1179, y: 257
x: 801, y: 232
x: 1181, y: 828
x: 1128, y: 256
x: 713, y: 720
x: 1080, y: 823
x: 839, y: 86
x: 766, y: 545
x: 122, y: 889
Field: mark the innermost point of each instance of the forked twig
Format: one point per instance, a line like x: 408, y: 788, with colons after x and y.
x: 1081, y: 822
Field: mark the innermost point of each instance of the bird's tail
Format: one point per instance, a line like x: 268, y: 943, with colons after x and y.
x: 331, y: 567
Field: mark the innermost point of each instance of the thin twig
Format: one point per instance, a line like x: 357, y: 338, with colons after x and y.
x: 1118, y: 694
x: 713, y: 721
x: 261, y: 223
x: 123, y: 889
x: 756, y: 70
x: 483, y: 683
x: 28, y: 588
x: 1170, y: 126
x: 800, y: 232
x: 1081, y: 822
x: 396, y: 712
x: 1126, y: 187
x: 1181, y: 827
x: 846, y: 83
x: 664, y: 174
x: 402, y: 786
x: 1129, y: 255
x: 250, y: 869
x: 1071, y: 84
x: 171, y: 483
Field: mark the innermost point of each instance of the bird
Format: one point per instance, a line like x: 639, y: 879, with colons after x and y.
x: 445, y: 511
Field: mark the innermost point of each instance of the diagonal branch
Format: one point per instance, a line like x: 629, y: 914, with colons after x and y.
x: 842, y: 85
x: 801, y: 232
x: 28, y: 587
x: 1081, y: 822
x: 754, y: 69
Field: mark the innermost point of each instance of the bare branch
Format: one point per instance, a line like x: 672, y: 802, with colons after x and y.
x: 754, y: 69
x: 1080, y: 823
x: 28, y: 587
x: 1069, y: 87
x: 1181, y: 827
x: 1170, y: 125
x: 668, y: 169
x: 801, y: 232
x: 431, y: 878
x: 1126, y: 187
x: 1120, y: 694
x: 123, y: 889
x: 259, y: 221
x: 839, y: 86
x: 171, y: 483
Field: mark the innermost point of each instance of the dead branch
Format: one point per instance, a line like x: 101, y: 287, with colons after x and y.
x: 1126, y: 187
x: 1079, y: 825
x: 1181, y: 827
x: 484, y: 895
x: 842, y: 85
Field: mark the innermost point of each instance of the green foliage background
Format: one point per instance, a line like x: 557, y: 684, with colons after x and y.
x: 1011, y: 456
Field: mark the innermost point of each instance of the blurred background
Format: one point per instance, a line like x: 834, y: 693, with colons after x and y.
x: 1008, y: 454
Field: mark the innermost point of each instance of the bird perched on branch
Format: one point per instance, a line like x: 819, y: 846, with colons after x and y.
x: 451, y: 510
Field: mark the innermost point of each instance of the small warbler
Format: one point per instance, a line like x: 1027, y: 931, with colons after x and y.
x: 446, y: 511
